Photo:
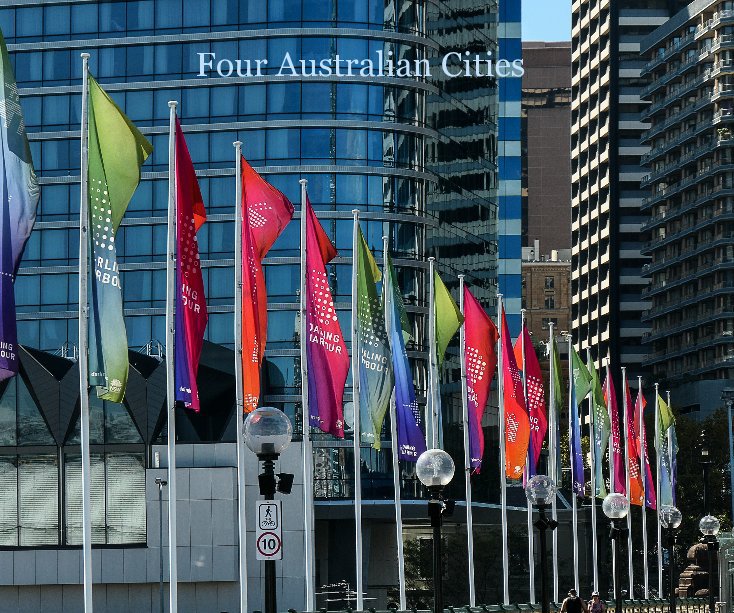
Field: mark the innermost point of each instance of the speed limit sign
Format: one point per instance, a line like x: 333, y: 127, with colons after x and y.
x: 269, y: 535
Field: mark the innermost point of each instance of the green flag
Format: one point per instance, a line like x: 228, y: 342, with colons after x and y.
x: 581, y: 377
x: 448, y: 317
x: 666, y: 447
x: 665, y: 419
x: 117, y: 150
x: 601, y: 427
x: 375, y: 367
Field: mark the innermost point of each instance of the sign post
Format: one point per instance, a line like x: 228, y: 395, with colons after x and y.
x: 269, y: 534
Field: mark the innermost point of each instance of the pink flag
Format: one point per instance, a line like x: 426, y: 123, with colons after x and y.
x: 535, y: 397
x: 191, y: 313
x: 265, y: 214
x: 517, y: 423
x: 480, y: 349
x: 610, y: 398
x: 328, y: 360
x: 650, y: 497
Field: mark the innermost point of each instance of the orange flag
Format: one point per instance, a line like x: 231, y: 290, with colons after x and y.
x: 517, y: 422
x: 265, y: 214
x: 637, y: 492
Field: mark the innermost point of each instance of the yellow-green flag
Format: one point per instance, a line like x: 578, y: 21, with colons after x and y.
x: 448, y: 316
x: 117, y: 150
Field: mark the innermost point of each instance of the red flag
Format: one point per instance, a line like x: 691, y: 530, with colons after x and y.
x: 480, y: 350
x: 535, y: 397
x: 650, y: 496
x: 633, y: 447
x: 265, y: 214
x: 328, y: 360
x: 517, y: 423
x: 610, y: 398
x: 191, y: 313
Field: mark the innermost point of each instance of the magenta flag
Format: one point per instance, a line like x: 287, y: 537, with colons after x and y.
x: 191, y: 313
x: 536, y: 401
x: 326, y: 353
x: 480, y: 351
x: 610, y: 398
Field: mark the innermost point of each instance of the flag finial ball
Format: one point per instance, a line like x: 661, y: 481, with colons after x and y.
x: 435, y: 468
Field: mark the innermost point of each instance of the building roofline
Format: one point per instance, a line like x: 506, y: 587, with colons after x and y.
x: 675, y: 22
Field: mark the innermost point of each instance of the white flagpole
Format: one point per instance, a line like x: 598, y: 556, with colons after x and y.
x: 395, y: 464
x: 531, y: 552
x: 657, y: 493
x: 552, y: 456
x: 239, y: 399
x: 503, y: 460
x: 432, y: 421
x: 625, y: 412
x: 308, y: 532
x: 643, y: 479
x: 574, y: 496
x: 84, y: 341
x: 467, y: 453
x: 170, y: 357
x: 357, y: 416
x: 594, y: 460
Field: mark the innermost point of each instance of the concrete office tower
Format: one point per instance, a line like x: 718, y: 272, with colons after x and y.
x: 607, y: 123
x: 690, y: 208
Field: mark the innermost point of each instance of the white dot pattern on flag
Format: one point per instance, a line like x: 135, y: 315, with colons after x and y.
x: 103, y: 231
x: 189, y: 256
x: 372, y: 328
x: 255, y: 216
x: 322, y: 300
x: 10, y: 109
x: 476, y: 369
x: 535, y: 395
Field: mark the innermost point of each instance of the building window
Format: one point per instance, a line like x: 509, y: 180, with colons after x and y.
x: 550, y: 283
x: 550, y: 302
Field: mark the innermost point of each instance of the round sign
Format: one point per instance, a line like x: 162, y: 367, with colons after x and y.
x: 269, y: 544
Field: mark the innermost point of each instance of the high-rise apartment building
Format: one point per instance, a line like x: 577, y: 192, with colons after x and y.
x: 690, y: 208
x: 607, y: 122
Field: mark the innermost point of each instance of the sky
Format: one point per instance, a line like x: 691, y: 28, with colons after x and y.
x: 547, y: 20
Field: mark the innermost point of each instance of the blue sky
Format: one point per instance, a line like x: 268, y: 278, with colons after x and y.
x: 548, y: 20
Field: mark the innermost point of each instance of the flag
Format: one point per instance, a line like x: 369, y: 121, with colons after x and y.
x: 636, y: 494
x: 448, y: 317
x: 517, y: 423
x: 535, y: 397
x: 191, y: 313
x: 673, y: 447
x: 375, y: 372
x: 601, y: 429
x: 411, y: 440
x: 665, y: 451
x: 265, y: 214
x: 618, y: 484
x: 580, y: 388
x: 328, y: 360
x: 557, y: 401
x: 19, y: 199
x: 117, y: 150
x: 480, y: 351
x: 650, y: 498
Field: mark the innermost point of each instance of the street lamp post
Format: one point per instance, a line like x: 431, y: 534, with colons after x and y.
x: 728, y: 396
x: 616, y: 507
x: 706, y: 465
x: 435, y: 469
x: 670, y: 519
x: 709, y: 527
x: 161, y: 483
x: 540, y: 491
x: 268, y: 432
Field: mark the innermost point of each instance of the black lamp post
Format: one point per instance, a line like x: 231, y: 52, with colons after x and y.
x: 706, y: 465
x: 670, y: 519
x: 435, y: 469
x: 616, y: 507
x: 709, y: 527
x: 540, y: 491
x: 268, y: 432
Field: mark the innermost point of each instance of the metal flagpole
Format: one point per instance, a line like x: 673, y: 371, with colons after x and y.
x: 432, y: 421
x: 625, y: 411
x: 552, y: 456
x: 467, y: 454
x: 594, y: 460
x: 643, y: 479
x: 396, y: 467
x: 528, y: 460
x: 170, y: 356
x: 574, y: 497
x: 357, y: 416
x: 609, y: 383
x: 503, y: 460
x: 657, y: 494
x: 239, y: 400
x: 84, y: 341
x: 308, y: 532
